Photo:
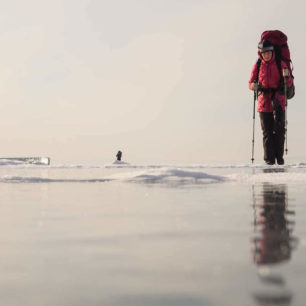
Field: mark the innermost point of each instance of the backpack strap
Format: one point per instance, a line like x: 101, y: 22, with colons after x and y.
x: 278, y: 59
x: 258, y: 67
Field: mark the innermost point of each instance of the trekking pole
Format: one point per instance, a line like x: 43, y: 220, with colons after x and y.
x: 286, y: 105
x: 253, y: 140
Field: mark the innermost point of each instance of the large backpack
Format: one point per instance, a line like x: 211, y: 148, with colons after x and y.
x: 282, y: 53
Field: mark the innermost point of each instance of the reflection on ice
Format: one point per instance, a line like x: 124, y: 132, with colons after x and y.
x: 275, y: 170
x: 274, y: 241
x: 158, y: 300
x: 283, y: 299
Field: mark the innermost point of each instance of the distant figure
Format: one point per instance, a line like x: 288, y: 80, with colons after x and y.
x: 119, y: 154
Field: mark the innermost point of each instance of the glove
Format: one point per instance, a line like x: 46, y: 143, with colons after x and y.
x: 285, y: 73
x: 255, y: 86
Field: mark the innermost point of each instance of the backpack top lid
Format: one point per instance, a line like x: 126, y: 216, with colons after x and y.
x: 275, y: 37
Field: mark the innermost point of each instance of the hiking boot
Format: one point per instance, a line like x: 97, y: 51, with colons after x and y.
x: 270, y: 162
x: 280, y: 161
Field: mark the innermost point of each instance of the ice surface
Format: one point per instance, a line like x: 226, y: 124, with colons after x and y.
x: 176, y: 175
x: 121, y: 235
x: 169, y: 175
x: 120, y: 162
x: 12, y: 161
x: 29, y: 179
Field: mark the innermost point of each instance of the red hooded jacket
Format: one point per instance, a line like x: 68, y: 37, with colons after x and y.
x: 269, y: 77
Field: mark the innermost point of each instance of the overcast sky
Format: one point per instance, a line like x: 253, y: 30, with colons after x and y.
x: 162, y: 80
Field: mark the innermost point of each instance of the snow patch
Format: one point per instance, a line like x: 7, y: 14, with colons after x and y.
x: 25, y: 179
x: 172, y: 175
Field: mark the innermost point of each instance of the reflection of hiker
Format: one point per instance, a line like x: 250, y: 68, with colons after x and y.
x: 275, y: 242
x: 267, y: 80
x: 119, y: 154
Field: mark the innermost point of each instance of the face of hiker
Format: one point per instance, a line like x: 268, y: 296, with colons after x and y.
x: 267, y: 55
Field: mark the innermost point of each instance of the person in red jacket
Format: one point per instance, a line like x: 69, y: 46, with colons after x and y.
x: 267, y: 78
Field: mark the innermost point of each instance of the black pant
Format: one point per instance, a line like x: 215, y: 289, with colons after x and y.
x: 273, y: 129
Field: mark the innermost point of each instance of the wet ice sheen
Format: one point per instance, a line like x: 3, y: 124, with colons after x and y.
x: 95, y: 235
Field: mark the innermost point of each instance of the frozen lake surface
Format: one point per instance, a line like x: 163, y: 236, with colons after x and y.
x: 152, y: 235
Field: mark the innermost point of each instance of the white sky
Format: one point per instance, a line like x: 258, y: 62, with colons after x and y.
x: 162, y: 80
